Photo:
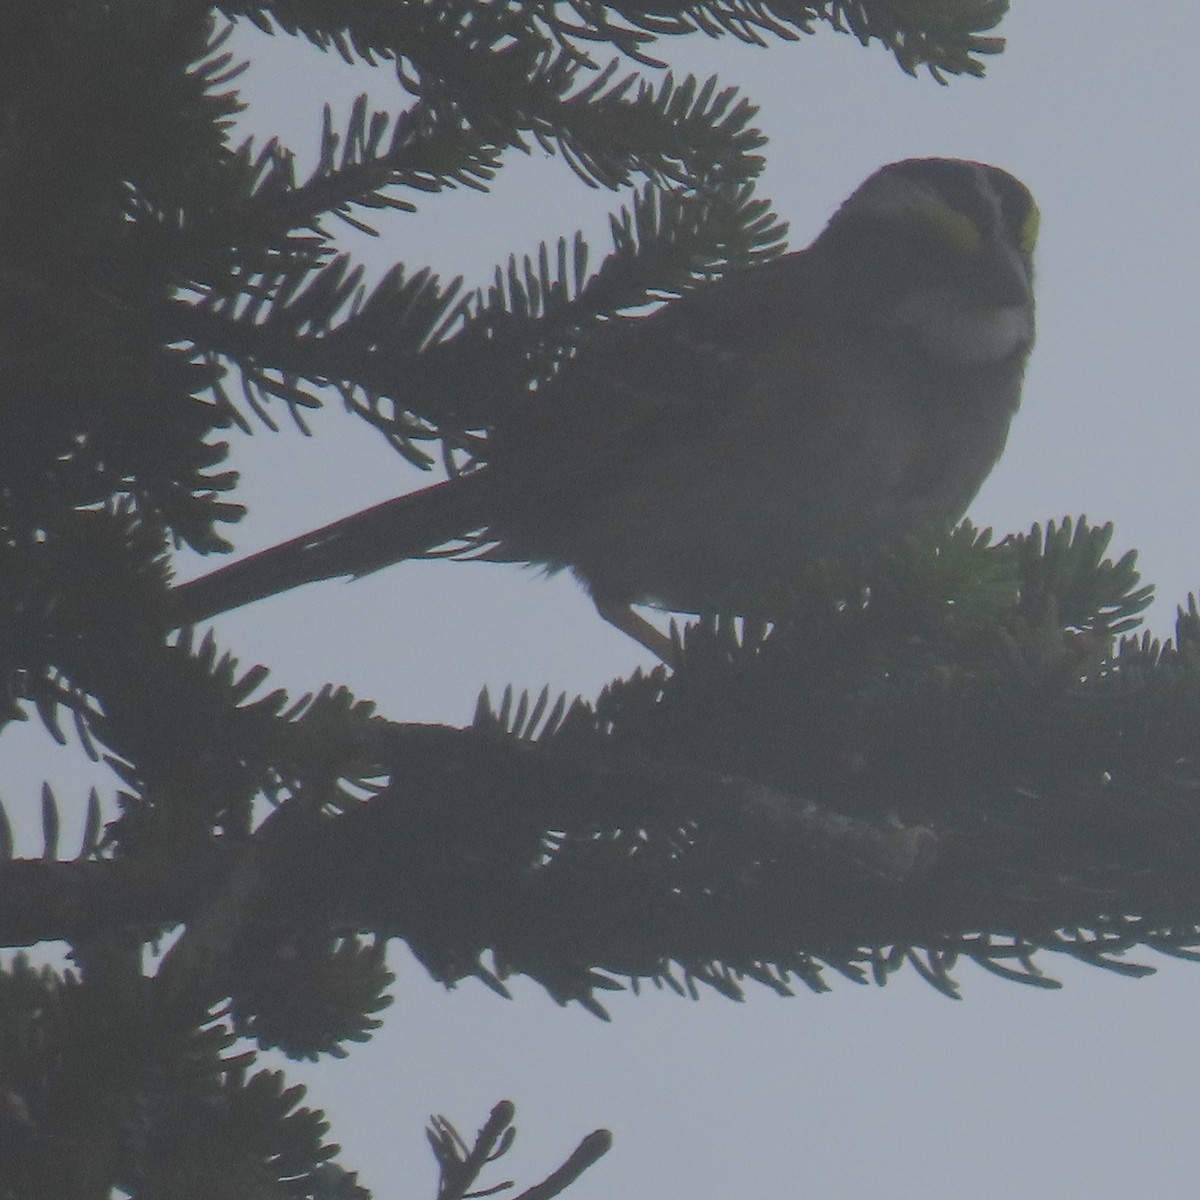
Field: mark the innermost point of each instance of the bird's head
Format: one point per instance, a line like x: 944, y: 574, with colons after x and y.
x: 941, y: 249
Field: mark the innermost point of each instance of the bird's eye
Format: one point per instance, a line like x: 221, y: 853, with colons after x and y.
x: 1018, y: 212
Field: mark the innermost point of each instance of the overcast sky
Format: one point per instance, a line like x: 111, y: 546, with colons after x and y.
x: 1090, y: 1091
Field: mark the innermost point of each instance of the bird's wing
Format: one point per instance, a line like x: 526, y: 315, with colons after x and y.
x: 644, y: 386
x: 643, y: 391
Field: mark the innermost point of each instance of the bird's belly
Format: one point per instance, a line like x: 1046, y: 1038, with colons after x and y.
x: 720, y: 531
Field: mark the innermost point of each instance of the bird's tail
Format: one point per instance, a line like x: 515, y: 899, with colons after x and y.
x: 405, y: 527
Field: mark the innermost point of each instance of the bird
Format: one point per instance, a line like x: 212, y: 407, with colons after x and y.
x: 819, y: 406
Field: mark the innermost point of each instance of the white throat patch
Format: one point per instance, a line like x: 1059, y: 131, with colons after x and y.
x: 966, y: 337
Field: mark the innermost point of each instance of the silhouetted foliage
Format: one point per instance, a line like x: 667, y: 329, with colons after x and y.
x: 975, y: 758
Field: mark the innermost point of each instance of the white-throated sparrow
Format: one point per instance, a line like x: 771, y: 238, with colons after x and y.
x: 819, y: 406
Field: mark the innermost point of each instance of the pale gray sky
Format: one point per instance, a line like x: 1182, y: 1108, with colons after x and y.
x: 1090, y: 1091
